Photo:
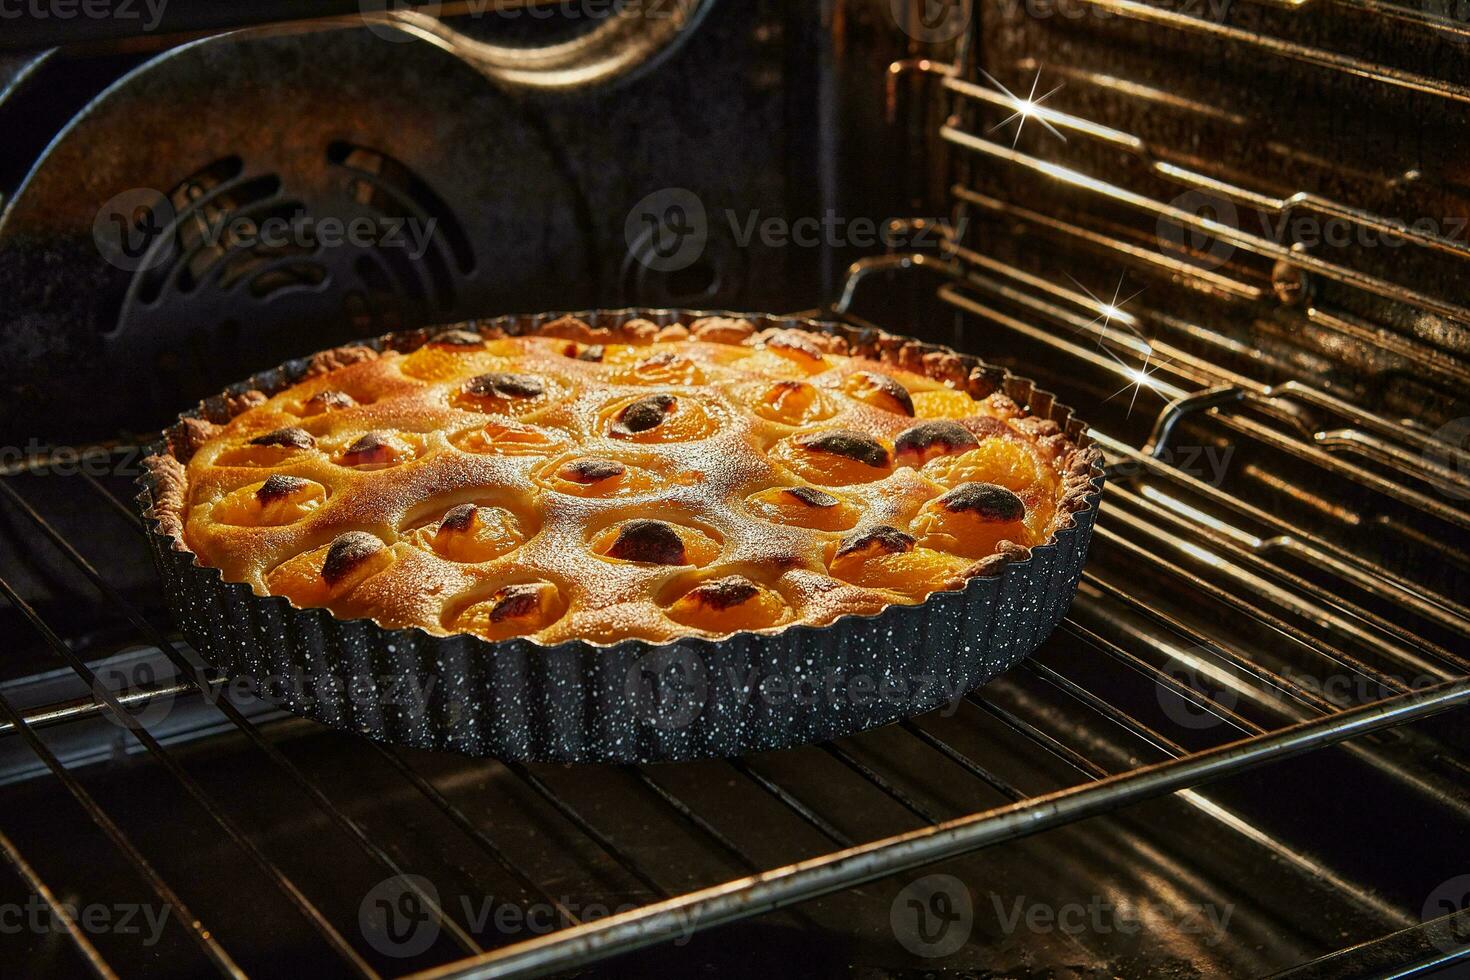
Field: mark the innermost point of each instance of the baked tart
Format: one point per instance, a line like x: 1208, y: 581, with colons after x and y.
x: 552, y: 516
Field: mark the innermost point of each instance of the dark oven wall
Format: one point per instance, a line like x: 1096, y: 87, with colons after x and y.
x: 177, y: 218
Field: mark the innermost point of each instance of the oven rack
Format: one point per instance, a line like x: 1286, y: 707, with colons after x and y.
x: 1264, y: 714
x: 1272, y: 45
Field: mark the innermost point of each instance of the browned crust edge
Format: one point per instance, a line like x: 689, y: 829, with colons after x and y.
x: 1081, y: 466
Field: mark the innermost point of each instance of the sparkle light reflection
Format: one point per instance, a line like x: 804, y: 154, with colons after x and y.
x: 1027, y: 108
x: 1131, y: 340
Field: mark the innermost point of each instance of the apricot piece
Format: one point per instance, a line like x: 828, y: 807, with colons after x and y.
x: 274, y: 502
x: 506, y: 437
x: 662, y: 417
x: 884, y: 557
x: 836, y: 457
x: 798, y: 349
x: 590, y: 353
x: 326, y: 400
x: 665, y: 368
x: 728, y: 605
x: 920, y: 443
x: 650, y: 542
x: 972, y: 519
x: 880, y: 391
x: 472, y: 533
x: 378, y: 451
x: 998, y: 459
x: 804, y: 507
x: 944, y: 403
x: 322, y: 575
x: 271, y: 449
x: 512, y: 610
x: 791, y: 403
x: 596, y: 476
x: 502, y: 393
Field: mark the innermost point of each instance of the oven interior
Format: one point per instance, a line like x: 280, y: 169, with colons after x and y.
x: 1231, y: 235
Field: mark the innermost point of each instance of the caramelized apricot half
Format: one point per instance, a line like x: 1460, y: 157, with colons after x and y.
x: 472, y: 533
x: 880, y: 391
x: 273, y: 502
x: 448, y: 355
x: 657, y: 418
x: 729, y: 605
x: 996, y: 459
x: 504, y: 436
x: 380, y: 450
x: 944, y: 403
x: 883, y: 557
x: 804, y: 507
x: 918, y: 444
x: 798, y: 349
x: 649, y: 542
x: 326, y: 400
x: 972, y: 519
x: 503, y: 393
x: 271, y: 449
x: 837, y: 457
x: 791, y: 403
x: 319, y: 576
x: 663, y: 368
x: 598, y: 476
x: 518, y: 609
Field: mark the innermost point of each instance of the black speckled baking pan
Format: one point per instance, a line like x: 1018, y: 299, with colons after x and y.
x: 635, y: 701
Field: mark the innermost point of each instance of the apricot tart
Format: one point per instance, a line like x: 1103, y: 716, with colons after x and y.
x: 612, y: 501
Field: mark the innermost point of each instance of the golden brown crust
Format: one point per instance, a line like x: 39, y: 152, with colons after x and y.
x: 781, y: 558
x: 168, y: 486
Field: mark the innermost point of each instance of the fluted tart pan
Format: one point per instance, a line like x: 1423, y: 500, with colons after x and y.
x: 632, y: 700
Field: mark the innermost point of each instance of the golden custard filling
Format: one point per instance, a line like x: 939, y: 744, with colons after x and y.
x: 647, y: 482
